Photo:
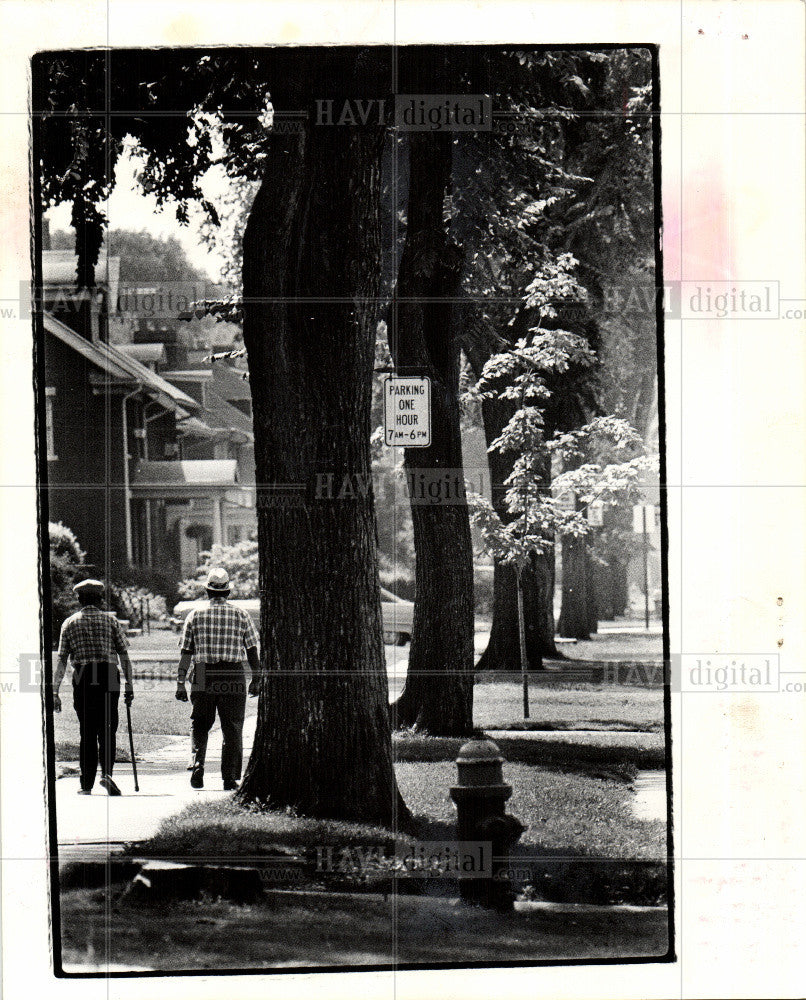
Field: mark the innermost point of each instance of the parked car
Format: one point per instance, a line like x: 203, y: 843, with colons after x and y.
x: 398, y: 615
x: 398, y: 618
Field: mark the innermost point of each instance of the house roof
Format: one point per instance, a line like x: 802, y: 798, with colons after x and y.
x: 145, y: 353
x: 128, y: 370
x: 59, y: 269
x: 221, y: 472
x: 229, y: 382
x: 221, y: 414
x: 194, y: 428
x: 189, y: 374
x: 217, y: 412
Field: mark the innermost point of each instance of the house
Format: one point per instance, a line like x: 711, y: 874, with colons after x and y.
x: 227, y: 453
x: 202, y: 503
x: 146, y: 474
x: 105, y: 412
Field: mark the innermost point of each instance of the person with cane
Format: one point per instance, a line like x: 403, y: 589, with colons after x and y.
x: 94, y: 641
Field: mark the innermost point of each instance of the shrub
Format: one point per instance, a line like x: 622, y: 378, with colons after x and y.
x: 396, y: 577
x: 133, y: 603
x: 159, y: 586
x: 240, y: 561
x: 66, y: 567
x: 483, y: 591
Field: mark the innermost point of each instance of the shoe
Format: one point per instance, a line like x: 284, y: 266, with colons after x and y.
x: 110, y: 786
x: 197, y: 778
x: 230, y: 785
x: 85, y: 791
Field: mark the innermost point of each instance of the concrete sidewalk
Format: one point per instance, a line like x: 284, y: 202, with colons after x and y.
x: 89, y: 824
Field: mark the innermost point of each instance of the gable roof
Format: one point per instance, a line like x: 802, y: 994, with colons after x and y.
x: 217, y: 411
x: 220, y: 414
x: 229, y: 382
x: 115, y: 362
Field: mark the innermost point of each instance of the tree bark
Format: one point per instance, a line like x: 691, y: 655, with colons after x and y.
x: 604, y: 582
x: 618, y: 587
x: 310, y: 279
x: 574, y: 613
x: 438, y: 694
x: 502, y: 648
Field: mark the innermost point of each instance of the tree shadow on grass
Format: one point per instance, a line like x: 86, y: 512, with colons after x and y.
x: 566, y: 875
x: 617, y: 762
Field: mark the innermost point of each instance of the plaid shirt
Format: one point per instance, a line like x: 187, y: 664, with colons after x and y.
x: 220, y: 632
x: 92, y: 636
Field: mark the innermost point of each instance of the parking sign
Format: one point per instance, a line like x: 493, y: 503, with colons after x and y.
x: 407, y: 411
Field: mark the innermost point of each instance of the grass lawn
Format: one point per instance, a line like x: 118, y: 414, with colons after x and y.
x: 604, y: 646
x: 581, y: 706
x: 582, y: 842
x: 582, y: 845
x: 338, y: 930
x: 156, y: 716
x: 67, y: 749
x: 615, y: 646
x: 569, y: 814
x: 596, y: 753
x: 221, y: 829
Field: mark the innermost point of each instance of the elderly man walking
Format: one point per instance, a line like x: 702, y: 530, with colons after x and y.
x: 215, y: 638
x: 94, y: 640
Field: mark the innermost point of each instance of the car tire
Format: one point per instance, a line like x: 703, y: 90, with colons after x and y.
x: 403, y: 638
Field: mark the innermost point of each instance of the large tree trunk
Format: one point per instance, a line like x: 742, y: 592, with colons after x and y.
x: 603, y: 580
x: 574, y: 612
x: 619, y: 587
x: 438, y: 694
x: 323, y: 743
x: 503, y: 651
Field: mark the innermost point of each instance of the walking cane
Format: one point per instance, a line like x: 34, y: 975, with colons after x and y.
x: 131, y: 745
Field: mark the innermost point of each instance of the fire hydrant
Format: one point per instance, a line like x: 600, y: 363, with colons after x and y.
x: 480, y: 796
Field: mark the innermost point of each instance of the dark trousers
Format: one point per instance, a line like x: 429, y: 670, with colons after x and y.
x: 219, y: 687
x: 96, y: 692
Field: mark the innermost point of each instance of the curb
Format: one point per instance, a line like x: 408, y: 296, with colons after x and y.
x: 167, y: 881
x: 583, y: 909
x: 147, y: 881
x: 520, y: 906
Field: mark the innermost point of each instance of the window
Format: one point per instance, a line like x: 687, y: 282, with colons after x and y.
x: 50, y: 394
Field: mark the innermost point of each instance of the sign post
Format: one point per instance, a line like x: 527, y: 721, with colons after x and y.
x: 407, y: 411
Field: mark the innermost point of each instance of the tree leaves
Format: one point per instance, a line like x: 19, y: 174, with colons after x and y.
x: 542, y: 513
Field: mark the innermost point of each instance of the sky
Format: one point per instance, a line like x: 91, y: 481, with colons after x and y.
x: 129, y: 208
